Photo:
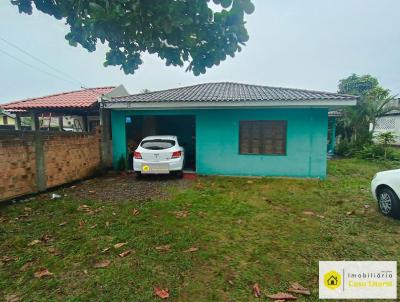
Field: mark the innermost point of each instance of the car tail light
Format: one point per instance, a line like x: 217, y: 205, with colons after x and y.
x: 176, y: 154
x: 137, y: 155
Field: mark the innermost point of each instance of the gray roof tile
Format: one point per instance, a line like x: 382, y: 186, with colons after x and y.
x: 232, y: 92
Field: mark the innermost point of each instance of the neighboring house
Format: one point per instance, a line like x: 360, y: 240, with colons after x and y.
x: 67, y: 111
x: 390, y: 122
x: 7, y: 119
x: 233, y: 129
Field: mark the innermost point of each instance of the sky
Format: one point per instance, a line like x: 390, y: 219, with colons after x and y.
x: 308, y: 44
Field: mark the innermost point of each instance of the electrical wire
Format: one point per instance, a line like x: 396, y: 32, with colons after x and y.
x: 33, y: 67
x: 41, y: 61
x: 70, y: 80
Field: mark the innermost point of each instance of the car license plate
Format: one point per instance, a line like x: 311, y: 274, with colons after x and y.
x: 155, y: 168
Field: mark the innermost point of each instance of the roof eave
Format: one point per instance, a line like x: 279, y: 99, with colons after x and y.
x: 330, y: 104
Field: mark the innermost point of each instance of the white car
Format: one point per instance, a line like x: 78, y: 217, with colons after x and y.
x: 160, y: 154
x: 385, y: 187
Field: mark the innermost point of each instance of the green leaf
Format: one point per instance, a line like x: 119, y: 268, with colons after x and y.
x: 177, y: 31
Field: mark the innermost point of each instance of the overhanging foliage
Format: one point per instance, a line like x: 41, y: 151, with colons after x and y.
x: 178, y: 31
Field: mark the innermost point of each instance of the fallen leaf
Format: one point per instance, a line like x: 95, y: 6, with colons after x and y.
x: 81, y: 223
x: 85, y: 272
x: 256, y: 290
x: 93, y: 226
x: 320, y: 216
x: 72, y: 187
x: 21, y: 217
x: 63, y: 223
x: 43, y: 273
x: 12, y: 298
x: 162, y: 293
x: 34, y: 242
x: 282, y: 296
x: 26, y: 266
x: 349, y: 213
x: 118, y: 245
x: 105, y: 250
x: 92, y: 191
x: 107, y: 223
x: 250, y: 181
x: 85, y: 208
x: 27, y: 209
x: 297, y: 288
x: 191, y: 250
x: 46, y: 237
x: 310, y: 213
x: 102, y: 264
x: 124, y: 254
x: 181, y: 214
x: 54, y: 251
x: 135, y: 212
x: 163, y: 248
x: 6, y: 259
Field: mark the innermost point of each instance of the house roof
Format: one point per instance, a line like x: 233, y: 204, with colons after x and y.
x: 7, y: 114
x: 214, y: 94
x: 80, y: 99
x: 396, y: 107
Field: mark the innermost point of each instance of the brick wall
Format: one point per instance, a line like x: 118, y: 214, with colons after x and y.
x: 34, y: 161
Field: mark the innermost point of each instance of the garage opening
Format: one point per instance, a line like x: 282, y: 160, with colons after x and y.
x: 183, y: 126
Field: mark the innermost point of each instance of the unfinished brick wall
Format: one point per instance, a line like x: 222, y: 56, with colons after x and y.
x: 17, y: 164
x: 31, y: 162
x: 70, y: 157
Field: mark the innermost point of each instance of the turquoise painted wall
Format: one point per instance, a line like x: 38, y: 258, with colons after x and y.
x: 217, y: 141
x: 118, y: 132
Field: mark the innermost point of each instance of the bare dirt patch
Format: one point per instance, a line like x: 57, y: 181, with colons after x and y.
x: 119, y: 188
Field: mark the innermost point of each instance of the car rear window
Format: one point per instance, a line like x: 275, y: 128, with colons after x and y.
x: 157, y: 144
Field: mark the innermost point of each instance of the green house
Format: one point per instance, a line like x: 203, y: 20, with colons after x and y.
x: 232, y: 129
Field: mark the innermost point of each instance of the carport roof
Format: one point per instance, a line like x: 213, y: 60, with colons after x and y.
x: 227, y: 94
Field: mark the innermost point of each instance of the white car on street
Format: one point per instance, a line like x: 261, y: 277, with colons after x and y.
x: 385, y: 188
x: 160, y: 154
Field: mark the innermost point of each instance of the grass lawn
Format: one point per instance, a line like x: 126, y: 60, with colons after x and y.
x: 246, y: 231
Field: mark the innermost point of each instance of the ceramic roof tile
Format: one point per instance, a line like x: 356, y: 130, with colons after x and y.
x: 232, y: 92
x: 74, y: 99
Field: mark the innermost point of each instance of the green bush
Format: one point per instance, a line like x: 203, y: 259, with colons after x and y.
x: 350, y: 149
x: 367, y: 150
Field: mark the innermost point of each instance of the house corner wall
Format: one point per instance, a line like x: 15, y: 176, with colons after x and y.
x: 118, y: 130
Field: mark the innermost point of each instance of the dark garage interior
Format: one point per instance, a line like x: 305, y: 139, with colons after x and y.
x: 182, y: 126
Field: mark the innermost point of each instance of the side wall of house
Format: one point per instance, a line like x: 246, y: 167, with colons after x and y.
x: 217, y: 141
x: 31, y: 162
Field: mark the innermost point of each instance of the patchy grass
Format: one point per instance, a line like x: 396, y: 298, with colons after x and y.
x: 246, y: 231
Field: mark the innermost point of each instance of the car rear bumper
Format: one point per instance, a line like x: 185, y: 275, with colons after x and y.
x: 171, y: 165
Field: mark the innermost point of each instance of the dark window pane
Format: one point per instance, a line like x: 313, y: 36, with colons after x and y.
x: 157, y: 144
x: 262, y: 137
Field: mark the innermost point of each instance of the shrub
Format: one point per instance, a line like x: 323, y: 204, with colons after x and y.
x: 369, y: 150
x: 350, y: 149
x: 386, y: 138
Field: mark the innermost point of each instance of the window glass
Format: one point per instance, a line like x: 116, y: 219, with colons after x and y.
x: 157, y: 144
x: 262, y: 137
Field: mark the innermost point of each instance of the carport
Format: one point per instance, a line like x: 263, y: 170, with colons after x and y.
x: 138, y: 126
